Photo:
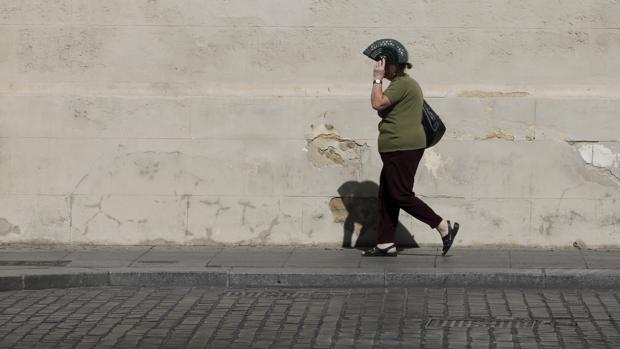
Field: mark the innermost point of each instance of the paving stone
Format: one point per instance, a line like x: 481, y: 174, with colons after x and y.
x: 114, y: 256
x: 570, y: 259
x: 251, y: 257
x: 194, y: 317
x: 470, y: 258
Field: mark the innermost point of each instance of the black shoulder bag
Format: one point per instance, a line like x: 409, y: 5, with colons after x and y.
x: 433, y: 126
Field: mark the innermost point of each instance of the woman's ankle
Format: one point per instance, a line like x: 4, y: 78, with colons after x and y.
x: 442, y: 228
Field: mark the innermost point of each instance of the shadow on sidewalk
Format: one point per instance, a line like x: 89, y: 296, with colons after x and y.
x: 357, y: 208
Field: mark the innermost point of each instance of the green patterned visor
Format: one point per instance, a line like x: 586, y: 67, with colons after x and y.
x: 392, y: 50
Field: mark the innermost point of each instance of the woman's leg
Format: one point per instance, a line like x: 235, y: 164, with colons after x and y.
x: 400, y: 173
x: 388, y: 214
x: 396, y: 192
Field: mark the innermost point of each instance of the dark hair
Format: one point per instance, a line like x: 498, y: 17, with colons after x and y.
x: 403, y: 66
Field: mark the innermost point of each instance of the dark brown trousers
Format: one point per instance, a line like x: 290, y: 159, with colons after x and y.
x: 396, y: 192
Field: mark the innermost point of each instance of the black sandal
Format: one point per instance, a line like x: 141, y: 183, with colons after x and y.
x: 447, y: 243
x: 380, y: 252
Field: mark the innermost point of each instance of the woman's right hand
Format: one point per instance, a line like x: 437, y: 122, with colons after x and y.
x: 379, y: 70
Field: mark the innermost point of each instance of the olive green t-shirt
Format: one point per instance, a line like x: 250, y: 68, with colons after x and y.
x: 401, y: 125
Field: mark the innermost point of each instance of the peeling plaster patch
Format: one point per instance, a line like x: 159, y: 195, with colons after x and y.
x: 7, y: 228
x: 531, y: 133
x: 432, y: 161
x: 339, y: 209
x: 600, y: 156
x: 500, y: 134
x: 487, y: 94
x: 586, y: 152
x: 331, y: 154
x: 325, y: 147
x: 604, y: 157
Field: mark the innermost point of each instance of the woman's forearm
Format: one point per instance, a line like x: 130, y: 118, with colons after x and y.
x: 377, y: 99
x: 375, y: 95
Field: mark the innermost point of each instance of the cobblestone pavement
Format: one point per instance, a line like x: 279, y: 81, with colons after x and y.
x: 304, y: 318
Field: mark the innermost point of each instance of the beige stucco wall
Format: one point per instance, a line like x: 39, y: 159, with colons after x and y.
x: 207, y: 122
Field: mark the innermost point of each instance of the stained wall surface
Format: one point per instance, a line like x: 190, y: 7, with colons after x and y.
x: 248, y: 122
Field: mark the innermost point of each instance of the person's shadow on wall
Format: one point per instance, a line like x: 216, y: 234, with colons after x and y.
x: 357, y: 208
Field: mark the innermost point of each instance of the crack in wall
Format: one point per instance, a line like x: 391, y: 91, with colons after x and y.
x: 549, y: 221
x: 612, y: 174
x: 221, y: 208
x: 263, y: 235
x: 245, y: 205
x: 489, y: 94
x: 599, y: 160
x: 100, y: 211
x: 187, y: 197
x: 256, y: 226
x: 71, y: 199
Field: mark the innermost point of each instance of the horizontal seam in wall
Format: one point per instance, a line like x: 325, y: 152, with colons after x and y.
x: 183, y: 196
x: 247, y: 27
x: 303, y: 138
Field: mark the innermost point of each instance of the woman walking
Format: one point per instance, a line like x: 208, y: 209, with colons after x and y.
x: 402, y: 141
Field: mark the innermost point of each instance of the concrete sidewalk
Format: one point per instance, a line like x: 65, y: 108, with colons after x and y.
x: 36, y: 267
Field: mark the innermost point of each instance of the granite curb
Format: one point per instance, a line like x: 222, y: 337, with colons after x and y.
x: 231, y: 277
